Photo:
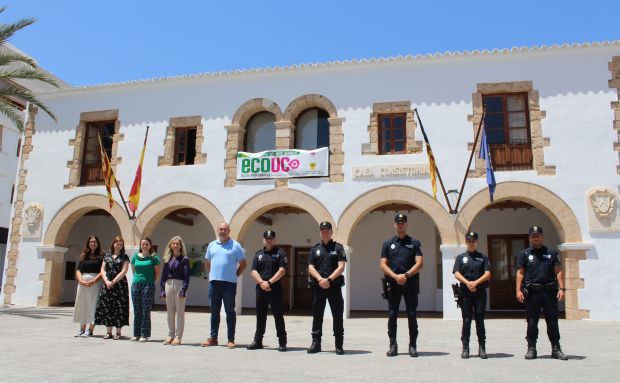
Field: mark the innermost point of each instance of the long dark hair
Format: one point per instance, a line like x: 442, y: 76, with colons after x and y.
x: 116, y: 239
x: 86, y: 251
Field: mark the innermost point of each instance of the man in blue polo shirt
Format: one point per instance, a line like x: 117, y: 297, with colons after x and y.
x: 225, y: 260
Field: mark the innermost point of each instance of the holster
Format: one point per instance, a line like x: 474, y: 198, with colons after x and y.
x: 458, y: 295
x: 385, y: 285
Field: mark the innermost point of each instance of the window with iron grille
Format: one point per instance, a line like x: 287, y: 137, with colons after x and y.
x: 507, y: 126
x: 392, y: 135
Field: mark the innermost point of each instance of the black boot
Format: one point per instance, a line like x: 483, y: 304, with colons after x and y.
x: 531, y: 351
x: 282, y: 344
x: 556, y: 352
x: 257, y: 344
x: 315, y: 346
x: 413, y: 352
x: 465, y: 351
x: 393, y: 351
x: 482, y: 351
x: 339, y: 343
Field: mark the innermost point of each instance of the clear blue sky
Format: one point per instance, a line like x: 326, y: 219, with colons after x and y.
x: 90, y: 42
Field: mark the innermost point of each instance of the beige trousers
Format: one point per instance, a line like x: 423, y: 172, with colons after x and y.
x: 175, y: 305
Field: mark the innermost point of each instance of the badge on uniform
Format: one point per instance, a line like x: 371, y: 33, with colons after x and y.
x: 333, y: 252
x: 393, y: 246
x: 548, y: 256
x: 531, y: 258
x: 260, y: 257
x: 318, y: 252
x: 465, y: 259
x: 409, y: 246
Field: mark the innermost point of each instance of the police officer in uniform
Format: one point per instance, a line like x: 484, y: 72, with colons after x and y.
x: 268, y: 267
x: 401, y: 261
x: 540, y: 284
x: 472, y: 269
x: 326, y: 265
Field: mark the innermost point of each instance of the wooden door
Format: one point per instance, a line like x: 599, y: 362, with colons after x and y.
x: 503, y: 252
x: 302, y: 294
x: 286, y: 279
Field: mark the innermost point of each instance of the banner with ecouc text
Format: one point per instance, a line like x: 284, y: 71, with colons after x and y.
x: 283, y: 163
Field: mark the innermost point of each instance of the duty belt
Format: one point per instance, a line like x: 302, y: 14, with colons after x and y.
x: 542, y: 286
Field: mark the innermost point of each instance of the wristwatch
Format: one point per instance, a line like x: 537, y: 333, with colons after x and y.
x: 563, y: 289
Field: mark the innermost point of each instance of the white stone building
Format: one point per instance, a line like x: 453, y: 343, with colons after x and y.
x: 554, y: 139
x: 10, y: 146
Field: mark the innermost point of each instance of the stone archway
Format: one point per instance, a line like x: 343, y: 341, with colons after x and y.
x: 363, y: 204
x: 560, y: 214
x: 147, y: 221
x: 60, y: 226
x: 57, y: 234
x: 336, y: 136
x: 257, y: 205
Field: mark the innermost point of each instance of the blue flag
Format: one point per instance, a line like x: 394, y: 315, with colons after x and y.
x: 485, y: 154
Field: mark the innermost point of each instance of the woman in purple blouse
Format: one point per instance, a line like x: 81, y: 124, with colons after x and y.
x: 174, y: 283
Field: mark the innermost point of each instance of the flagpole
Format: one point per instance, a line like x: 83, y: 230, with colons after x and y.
x: 471, y: 156
x: 436, y: 167
x: 143, y: 146
x: 115, y: 180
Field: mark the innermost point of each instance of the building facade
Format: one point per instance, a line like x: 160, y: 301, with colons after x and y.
x: 552, y: 132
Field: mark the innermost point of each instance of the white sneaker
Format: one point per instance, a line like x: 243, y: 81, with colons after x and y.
x: 87, y: 334
x: 134, y: 339
x: 144, y: 339
x: 79, y: 334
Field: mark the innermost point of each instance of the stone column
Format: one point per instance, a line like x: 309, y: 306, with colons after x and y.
x: 52, y: 275
x: 348, y: 250
x: 571, y: 254
x: 448, y: 253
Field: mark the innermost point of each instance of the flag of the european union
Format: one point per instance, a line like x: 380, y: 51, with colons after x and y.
x: 486, y: 155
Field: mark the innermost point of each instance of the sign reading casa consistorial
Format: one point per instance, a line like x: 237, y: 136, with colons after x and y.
x: 283, y: 164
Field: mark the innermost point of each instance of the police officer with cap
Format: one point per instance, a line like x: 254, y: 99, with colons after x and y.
x: 540, y: 284
x: 326, y: 264
x: 472, y: 269
x: 401, y: 261
x: 268, y: 268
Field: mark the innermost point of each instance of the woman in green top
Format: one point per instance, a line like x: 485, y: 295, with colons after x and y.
x: 145, y: 267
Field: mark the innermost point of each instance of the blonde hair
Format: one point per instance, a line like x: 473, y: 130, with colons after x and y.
x: 168, y: 253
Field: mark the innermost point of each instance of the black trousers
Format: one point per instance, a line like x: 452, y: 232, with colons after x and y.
x: 410, y: 293
x: 264, y: 299
x: 474, y: 306
x: 547, y: 300
x: 320, y: 296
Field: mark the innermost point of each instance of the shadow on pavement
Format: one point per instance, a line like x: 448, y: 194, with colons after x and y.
x: 432, y: 353
x: 499, y: 355
x: 35, y: 312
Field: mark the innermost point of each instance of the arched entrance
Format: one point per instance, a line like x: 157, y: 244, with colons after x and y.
x: 65, y: 237
x: 194, y: 219
x: 294, y: 216
x: 369, y: 220
x: 563, y: 231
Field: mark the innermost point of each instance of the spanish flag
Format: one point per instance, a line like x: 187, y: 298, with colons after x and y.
x: 432, y: 168
x: 108, y: 173
x: 134, y: 195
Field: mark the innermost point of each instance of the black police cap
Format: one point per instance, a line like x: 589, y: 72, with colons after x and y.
x: 269, y: 234
x: 325, y: 225
x: 536, y: 230
x: 471, y: 235
x: 400, y: 217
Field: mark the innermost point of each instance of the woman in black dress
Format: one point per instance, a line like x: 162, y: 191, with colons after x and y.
x: 113, y: 304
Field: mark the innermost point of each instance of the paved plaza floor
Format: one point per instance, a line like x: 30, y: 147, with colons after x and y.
x: 37, y: 345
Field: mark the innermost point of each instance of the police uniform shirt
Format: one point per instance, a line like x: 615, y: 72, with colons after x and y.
x: 325, y: 258
x: 267, y: 263
x: 401, y: 253
x: 539, y: 264
x: 472, y: 266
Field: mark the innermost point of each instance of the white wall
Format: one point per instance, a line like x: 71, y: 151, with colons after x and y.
x: 8, y: 168
x: 573, y: 91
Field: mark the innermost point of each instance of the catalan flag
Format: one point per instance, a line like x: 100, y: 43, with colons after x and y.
x: 485, y: 154
x: 134, y: 195
x: 108, y: 173
x: 432, y: 168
